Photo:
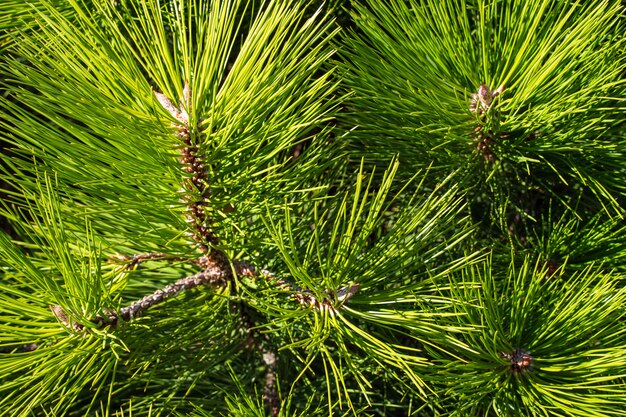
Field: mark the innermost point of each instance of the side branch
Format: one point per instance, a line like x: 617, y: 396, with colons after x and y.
x: 211, y: 276
x: 332, y: 300
x: 132, y: 261
x: 214, y: 274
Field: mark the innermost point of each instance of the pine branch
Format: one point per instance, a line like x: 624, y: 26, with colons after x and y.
x: 210, y: 277
x: 259, y: 100
x: 196, y: 187
x: 196, y: 216
x: 270, y: 394
x: 306, y: 297
x: 480, y: 103
x: 133, y: 261
x: 554, y: 127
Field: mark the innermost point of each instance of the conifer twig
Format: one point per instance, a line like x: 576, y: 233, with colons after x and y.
x: 304, y: 296
x: 143, y: 257
x: 197, y: 193
x: 196, y: 187
x: 268, y: 353
x: 480, y: 103
x: 212, y: 276
x: 270, y: 394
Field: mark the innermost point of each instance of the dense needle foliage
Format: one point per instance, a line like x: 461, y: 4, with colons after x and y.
x: 296, y: 208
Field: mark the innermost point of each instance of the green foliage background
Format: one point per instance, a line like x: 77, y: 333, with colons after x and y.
x: 416, y: 244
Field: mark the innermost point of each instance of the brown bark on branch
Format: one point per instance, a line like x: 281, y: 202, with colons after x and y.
x: 133, y: 261
x: 212, y: 277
